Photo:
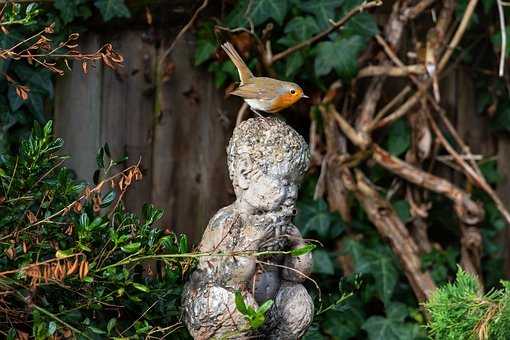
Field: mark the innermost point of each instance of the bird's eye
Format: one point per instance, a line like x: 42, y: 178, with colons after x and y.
x: 292, y: 91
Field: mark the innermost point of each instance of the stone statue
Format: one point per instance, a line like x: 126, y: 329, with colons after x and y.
x: 266, y: 161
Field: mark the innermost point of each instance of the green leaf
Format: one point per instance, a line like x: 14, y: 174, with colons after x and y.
x: 301, y: 28
x: 84, y: 220
x: 183, y: 244
x: 108, y: 198
x: 361, y: 24
x: 240, y: 305
x: 257, y: 321
x: 340, y: 55
x: 111, y: 325
x: 131, y: 247
x: 323, y: 10
x: 378, y: 263
x: 399, y: 137
x: 402, y: 209
x: 322, y: 263
x: 36, y: 78
x: 15, y: 102
x: 204, y: 51
x: 314, y: 216
x: 52, y: 328
x: 97, y: 330
x: 303, y: 250
x: 265, y: 307
x: 112, y: 9
x: 293, y: 64
x: 490, y: 171
x: 100, y: 158
x: 68, y: 9
x: 393, y: 326
x: 264, y: 9
x: 141, y: 287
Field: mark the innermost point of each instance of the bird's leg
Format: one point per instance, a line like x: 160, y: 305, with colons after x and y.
x: 257, y: 113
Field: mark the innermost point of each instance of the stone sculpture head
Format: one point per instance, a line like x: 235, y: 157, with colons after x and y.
x: 266, y: 161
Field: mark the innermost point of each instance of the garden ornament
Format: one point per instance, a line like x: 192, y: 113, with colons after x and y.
x: 262, y: 93
x: 266, y: 163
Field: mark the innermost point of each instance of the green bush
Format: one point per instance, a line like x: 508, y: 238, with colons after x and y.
x: 73, y: 259
x: 460, y: 310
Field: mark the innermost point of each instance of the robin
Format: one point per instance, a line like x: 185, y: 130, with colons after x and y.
x: 262, y: 93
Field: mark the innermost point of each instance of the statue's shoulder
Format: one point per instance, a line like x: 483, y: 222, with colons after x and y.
x: 225, y: 215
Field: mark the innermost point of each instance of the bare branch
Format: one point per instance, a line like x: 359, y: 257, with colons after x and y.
x: 391, y: 228
x: 467, y: 210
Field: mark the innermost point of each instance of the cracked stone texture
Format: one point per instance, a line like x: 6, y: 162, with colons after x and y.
x: 266, y: 161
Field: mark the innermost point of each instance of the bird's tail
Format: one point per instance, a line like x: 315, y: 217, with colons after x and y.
x: 242, y: 68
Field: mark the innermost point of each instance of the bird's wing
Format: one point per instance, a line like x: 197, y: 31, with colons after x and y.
x: 254, y: 91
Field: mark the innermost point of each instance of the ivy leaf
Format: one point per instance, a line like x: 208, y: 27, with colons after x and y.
x: 68, y: 9
x: 378, y: 263
x: 205, y: 49
x: 112, y: 9
x: 15, y: 102
x: 206, y: 43
x: 264, y: 9
x: 392, y: 327
x: 345, y: 323
x: 301, y: 28
x: 293, y: 64
x: 361, y: 24
x: 314, y: 216
x: 322, y: 263
x: 323, y: 10
x: 399, y: 138
x: 36, y: 78
x: 402, y: 209
x: 340, y: 55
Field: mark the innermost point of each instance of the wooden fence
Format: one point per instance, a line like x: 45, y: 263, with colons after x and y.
x: 182, y: 147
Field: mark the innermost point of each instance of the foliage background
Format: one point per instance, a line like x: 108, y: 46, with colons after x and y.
x: 364, y: 291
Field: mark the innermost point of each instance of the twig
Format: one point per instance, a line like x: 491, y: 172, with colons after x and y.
x: 181, y: 33
x: 469, y: 171
x: 503, y: 38
x: 336, y: 25
x: 422, y: 5
x: 391, y: 71
x: 467, y: 210
x: 458, y: 34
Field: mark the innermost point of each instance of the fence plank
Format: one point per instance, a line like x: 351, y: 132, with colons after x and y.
x: 190, y: 137
x: 78, y: 112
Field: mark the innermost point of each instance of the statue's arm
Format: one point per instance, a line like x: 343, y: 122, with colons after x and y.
x: 299, y: 267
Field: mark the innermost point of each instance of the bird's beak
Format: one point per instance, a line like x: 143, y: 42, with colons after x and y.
x: 304, y: 96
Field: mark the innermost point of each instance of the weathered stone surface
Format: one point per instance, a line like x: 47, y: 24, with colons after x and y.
x: 266, y: 161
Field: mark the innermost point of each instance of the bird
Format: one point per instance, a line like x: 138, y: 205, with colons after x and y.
x: 262, y: 93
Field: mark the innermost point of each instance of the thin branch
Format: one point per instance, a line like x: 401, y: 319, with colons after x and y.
x: 503, y: 38
x: 391, y: 71
x: 468, y: 211
x: 469, y: 171
x: 181, y: 32
x: 390, y: 227
x: 336, y: 25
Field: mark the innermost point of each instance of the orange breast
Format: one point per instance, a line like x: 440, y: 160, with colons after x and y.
x: 282, y: 101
